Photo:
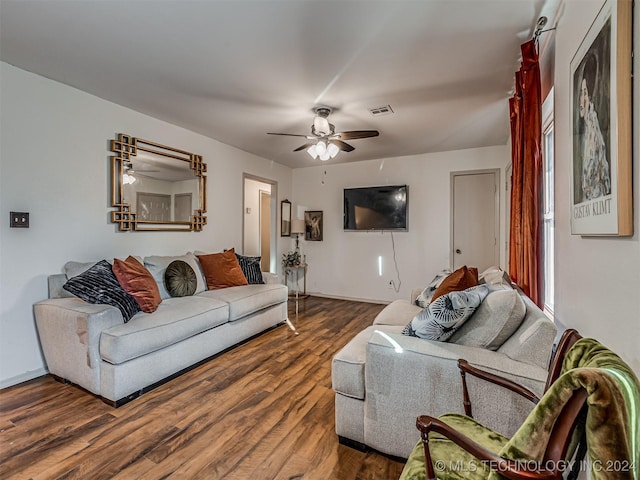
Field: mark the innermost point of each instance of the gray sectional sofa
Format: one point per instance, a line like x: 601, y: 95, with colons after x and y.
x: 90, y: 345
x: 383, y: 379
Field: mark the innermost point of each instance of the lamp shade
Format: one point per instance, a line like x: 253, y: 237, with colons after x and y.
x: 297, y: 226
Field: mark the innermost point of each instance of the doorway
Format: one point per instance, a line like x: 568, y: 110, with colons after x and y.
x: 259, y: 218
x: 475, y: 218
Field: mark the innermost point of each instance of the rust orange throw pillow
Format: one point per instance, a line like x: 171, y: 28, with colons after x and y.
x: 138, y: 282
x: 461, y: 279
x: 222, y: 270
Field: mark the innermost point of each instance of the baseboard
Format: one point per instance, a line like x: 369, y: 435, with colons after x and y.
x: 351, y: 299
x: 23, y: 377
x: 347, y: 442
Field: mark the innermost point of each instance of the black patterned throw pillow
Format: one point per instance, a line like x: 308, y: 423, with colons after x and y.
x: 250, y: 266
x: 98, y: 284
x: 446, y: 314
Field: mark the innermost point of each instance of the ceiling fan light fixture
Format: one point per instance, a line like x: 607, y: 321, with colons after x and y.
x: 312, y: 151
x: 128, y: 179
x: 332, y: 150
x: 321, y: 125
x: 321, y: 148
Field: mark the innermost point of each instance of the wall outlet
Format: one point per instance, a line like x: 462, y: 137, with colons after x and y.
x: 19, y: 219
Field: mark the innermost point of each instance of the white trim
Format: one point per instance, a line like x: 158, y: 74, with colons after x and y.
x: 23, y: 377
x: 352, y: 299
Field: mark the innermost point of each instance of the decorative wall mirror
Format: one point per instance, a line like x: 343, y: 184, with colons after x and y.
x: 155, y: 187
x: 285, y: 218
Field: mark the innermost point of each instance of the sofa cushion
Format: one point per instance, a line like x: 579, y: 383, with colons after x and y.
x: 222, y: 270
x: 180, y: 279
x: 497, y: 317
x: 247, y: 299
x: 157, y: 265
x: 398, y: 312
x: 98, y: 284
x: 175, y: 320
x: 446, y: 314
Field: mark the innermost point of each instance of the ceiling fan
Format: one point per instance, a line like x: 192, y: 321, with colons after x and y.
x: 326, y: 142
x: 128, y: 173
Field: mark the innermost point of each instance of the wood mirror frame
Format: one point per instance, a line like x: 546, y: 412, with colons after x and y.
x: 285, y: 218
x: 168, y: 168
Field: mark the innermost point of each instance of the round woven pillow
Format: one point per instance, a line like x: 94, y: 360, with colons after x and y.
x: 180, y: 279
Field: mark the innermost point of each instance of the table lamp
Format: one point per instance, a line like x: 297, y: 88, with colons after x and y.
x: 297, y: 229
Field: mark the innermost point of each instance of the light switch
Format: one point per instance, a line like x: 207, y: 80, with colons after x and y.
x: 19, y: 219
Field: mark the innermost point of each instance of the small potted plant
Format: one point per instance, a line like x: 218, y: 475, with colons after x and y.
x: 291, y: 259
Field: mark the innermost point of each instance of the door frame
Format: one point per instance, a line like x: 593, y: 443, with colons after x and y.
x: 496, y: 213
x: 273, y: 248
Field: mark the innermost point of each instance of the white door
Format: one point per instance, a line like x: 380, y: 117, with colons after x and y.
x: 475, y: 219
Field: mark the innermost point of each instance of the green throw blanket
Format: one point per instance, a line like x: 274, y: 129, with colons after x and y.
x: 613, y: 415
x: 612, y: 424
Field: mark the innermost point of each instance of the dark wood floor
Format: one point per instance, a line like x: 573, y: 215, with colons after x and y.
x: 263, y: 410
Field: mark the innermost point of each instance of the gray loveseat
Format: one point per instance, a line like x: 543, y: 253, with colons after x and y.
x: 91, y: 346
x: 383, y: 380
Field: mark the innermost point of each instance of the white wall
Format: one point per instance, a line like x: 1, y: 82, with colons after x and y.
x: 345, y: 264
x: 597, y: 279
x: 54, y: 163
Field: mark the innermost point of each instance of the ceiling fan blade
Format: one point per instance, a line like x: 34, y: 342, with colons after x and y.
x: 355, y: 134
x: 345, y: 147
x: 289, y: 134
x: 303, y: 147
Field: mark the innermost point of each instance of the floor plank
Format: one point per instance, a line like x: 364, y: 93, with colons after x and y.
x: 263, y: 410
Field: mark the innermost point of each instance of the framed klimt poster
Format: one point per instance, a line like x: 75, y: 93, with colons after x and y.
x: 601, y: 180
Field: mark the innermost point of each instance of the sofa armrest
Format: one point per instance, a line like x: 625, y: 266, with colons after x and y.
x: 407, y: 376
x: 55, y: 284
x: 69, y: 330
x: 270, y: 278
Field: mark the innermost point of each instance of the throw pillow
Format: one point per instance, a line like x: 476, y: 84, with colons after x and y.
x: 98, y: 284
x: 461, y: 279
x: 138, y: 282
x: 495, y: 276
x: 446, y: 314
x: 158, y: 264
x: 427, y: 294
x: 180, y: 279
x: 497, y: 318
x: 250, y: 266
x: 222, y: 270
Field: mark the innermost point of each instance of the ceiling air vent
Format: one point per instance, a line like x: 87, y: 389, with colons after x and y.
x: 384, y: 110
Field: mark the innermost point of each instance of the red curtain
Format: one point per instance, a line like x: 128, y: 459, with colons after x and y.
x: 525, y: 241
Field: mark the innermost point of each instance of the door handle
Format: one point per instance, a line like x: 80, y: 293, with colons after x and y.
x: 458, y: 251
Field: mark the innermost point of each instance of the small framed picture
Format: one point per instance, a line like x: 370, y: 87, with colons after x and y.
x: 313, y: 226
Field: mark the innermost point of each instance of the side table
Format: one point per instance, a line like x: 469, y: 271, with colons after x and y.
x: 295, y: 270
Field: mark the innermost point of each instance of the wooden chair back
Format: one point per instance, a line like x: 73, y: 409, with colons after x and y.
x: 568, y: 338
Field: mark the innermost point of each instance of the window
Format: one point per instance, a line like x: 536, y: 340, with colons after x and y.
x: 548, y: 218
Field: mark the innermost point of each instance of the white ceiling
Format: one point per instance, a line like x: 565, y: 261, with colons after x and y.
x: 234, y: 70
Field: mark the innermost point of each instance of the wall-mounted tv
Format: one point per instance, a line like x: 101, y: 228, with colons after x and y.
x: 376, y: 208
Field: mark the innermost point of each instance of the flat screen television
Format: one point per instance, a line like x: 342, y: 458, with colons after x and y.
x: 376, y: 208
